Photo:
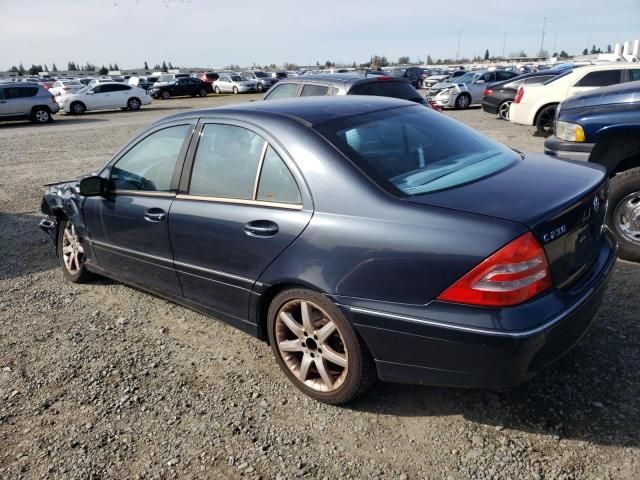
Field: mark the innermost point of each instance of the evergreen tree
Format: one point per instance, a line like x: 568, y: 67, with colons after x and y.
x: 21, y: 69
x: 564, y: 54
x: 116, y: 67
x: 46, y: 69
x: 146, y: 66
x: 54, y: 68
x: 486, y: 54
x: 164, y: 66
x: 609, y: 50
x: 170, y: 66
x: 103, y: 70
x: 585, y: 51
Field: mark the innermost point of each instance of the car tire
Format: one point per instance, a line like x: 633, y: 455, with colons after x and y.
x: 545, y: 119
x: 623, y: 214
x: 165, y: 95
x: 203, y: 92
x: 77, y: 108
x: 217, y: 90
x: 503, y: 109
x: 260, y: 88
x: 41, y: 115
x: 235, y: 90
x: 320, y: 352
x: 71, y: 253
x: 133, y: 104
x: 463, y: 101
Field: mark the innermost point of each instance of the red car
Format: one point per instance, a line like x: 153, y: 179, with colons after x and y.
x: 207, y: 79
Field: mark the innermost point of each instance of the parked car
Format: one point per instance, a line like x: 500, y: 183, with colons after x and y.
x: 431, y: 80
x: 21, y: 100
x: 182, y: 86
x: 263, y: 80
x: 362, y: 237
x: 234, y: 84
x: 536, y: 104
x: 144, y: 82
x: 499, y: 96
x: 330, y: 84
x: 85, y: 81
x: 170, y: 77
x: 466, y: 90
x: 98, y: 81
x: 603, y: 127
x: 104, y: 96
x: 413, y: 74
x: 63, y: 87
x: 207, y: 79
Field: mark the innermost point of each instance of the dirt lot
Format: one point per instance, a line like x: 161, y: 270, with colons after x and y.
x: 103, y: 381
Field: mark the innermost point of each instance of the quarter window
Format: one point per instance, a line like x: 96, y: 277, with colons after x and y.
x: 276, y: 182
x: 226, y: 162
x: 20, y: 92
x: 315, y: 91
x: 149, y: 165
x: 634, y: 74
x: 285, y: 90
x: 600, y: 78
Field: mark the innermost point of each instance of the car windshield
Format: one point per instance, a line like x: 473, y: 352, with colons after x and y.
x: 466, y: 78
x: 238, y: 78
x: 85, y: 89
x: 412, y: 150
x: 560, y: 75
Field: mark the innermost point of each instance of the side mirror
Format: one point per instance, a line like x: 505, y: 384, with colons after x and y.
x: 93, y: 187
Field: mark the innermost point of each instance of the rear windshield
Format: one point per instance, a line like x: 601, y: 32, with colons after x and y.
x: 387, y: 88
x: 553, y: 79
x: 412, y: 150
x: 211, y: 76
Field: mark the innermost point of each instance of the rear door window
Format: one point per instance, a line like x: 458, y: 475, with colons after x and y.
x: 284, y: 90
x: 315, y: 90
x: 633, y: 74
x: 601, y: 78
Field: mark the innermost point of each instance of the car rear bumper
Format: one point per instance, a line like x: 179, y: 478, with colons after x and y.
x: 490, y: 105
x: 570, y: 150
x: 426, y: 350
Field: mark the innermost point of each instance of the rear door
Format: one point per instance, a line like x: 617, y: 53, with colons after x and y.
x: 5, y: 108
x: 596, y: 79
x: 241, y: 206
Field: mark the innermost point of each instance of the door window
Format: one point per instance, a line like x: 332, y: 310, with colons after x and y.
x: 634, y: 74
x: 20, y: 92
x: 284, y: 90
x: 276, y: 182
x: 149, y: 165
x: 601, y: 78
x: 315, y: 91
x: 226, y: 162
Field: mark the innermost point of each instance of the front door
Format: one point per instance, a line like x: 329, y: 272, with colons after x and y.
x: 128, y: 228
x: 241, y: 208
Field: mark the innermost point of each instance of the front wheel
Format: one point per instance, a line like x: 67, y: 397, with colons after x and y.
x: 260, y: 88
x: 71, y: 253
x: 317, y: 348
x: 235, y: 90
x: 133, y: 104
x: 217, y: 90
x: 77, y: 108
x: 165, y: 95
x: 544, y: 121
x: 503, y: 109
x: 623, y: 215
x: 463, y: 101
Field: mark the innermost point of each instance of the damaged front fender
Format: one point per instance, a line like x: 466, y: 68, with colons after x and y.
x: 62, y: 200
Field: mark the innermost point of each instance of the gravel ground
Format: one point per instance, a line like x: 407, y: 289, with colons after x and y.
x: 104, y: 381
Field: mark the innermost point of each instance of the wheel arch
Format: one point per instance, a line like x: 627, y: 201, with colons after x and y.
x: 550, y: 104
x: 618, y: 149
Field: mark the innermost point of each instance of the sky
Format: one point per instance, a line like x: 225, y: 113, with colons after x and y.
x: 209, y: 33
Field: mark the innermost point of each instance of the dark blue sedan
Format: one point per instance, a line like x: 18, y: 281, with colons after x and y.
x: 362, y: 237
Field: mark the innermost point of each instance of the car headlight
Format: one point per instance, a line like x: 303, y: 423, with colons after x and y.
x: 571, y: 132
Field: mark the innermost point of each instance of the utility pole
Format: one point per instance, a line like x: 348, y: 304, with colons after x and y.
x: 544, y: 24
x: 504, y: 43
x: 555, y: 44
x: 458, y: 50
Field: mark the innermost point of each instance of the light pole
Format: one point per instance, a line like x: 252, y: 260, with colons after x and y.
x: 544, y: 24
x: 504, y: 43
x: 458, y: 50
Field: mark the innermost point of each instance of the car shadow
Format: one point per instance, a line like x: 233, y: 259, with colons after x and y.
x: 591, y: 394
x: 57, y: 121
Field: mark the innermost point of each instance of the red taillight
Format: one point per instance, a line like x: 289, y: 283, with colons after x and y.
x: 519, y: 95
x: 487, y: 91
x: 514, y: 274
x: 383, y: 78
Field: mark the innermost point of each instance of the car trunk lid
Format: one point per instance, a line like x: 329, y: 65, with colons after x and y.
x: 562, y: 202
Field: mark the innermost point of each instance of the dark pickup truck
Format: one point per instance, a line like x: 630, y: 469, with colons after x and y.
x: 603, y: 126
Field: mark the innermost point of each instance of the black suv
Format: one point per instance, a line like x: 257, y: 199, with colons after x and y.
x: 179, y: 87
x: 345, y: 84
x: 413, y: 74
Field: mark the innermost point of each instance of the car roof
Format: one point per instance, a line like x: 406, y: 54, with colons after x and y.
x: 310, y: 111
x: 628, y: 92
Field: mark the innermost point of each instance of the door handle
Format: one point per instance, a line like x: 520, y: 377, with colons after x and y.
x: 155, y: 215
x: 261, y: 228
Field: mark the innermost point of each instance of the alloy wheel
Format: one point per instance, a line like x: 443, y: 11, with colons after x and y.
x: 311, y: 345
x: 42, y: 116
x: 72, y: 250
x: 627, y: 217
x: 134, y: 104
x: 503, y: 110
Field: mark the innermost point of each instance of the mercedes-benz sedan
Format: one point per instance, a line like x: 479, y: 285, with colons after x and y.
x: 362, y: 237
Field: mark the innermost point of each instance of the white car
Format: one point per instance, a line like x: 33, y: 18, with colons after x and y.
x: 233, y: 83
x: 64, y: 87
x: 104, y: 96
x: 536, y: 104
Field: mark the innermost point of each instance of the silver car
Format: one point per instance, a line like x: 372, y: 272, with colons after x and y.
x: 264, y: 81
x: 230, y: 83
x: 467, y: 89
x: 22, y: 100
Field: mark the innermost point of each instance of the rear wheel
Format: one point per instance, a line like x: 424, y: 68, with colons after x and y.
x: 260, y: 87
x: 165, y: 95
x: 623, y: 216
x: 77, y: 108
x: 133, y: 104
x: 217, y: 90
x: 317, y: 348
x: 41, y: 115
x: 503, y: 109
x: 235, y: 90
x: 203, y: 92
x: 463, y: 101
x: 71, y: 253
x: 545, y: 119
